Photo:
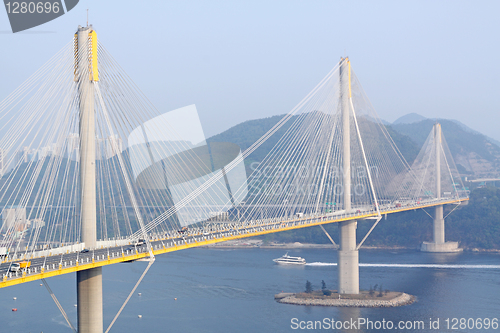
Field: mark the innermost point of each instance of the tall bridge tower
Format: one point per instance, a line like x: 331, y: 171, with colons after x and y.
x: 348, y: 255
x: 439, y: 244
x: 89, y: 282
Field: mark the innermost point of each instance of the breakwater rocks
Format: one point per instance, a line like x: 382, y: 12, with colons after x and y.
x: 400, y: 300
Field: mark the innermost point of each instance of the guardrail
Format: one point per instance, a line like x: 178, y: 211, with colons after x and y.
x: 160, y: 245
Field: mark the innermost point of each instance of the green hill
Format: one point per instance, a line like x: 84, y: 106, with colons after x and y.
x: 246, y: 133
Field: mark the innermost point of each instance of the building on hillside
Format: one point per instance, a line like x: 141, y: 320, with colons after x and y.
x: 73, y: 146
x: 14, y: 218
x: 109, y: 147
x: 3, y: 156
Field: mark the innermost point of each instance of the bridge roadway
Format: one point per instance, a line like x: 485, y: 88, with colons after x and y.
x: 53, y: 265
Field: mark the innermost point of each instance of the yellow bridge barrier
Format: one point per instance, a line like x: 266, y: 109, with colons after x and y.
x: 278, y: 227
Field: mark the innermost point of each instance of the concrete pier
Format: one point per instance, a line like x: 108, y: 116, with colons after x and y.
x: 348, y: 258
x: 89, y: 299
x: 89, y: 282
x: 438, y: 225
x: 439, y: 244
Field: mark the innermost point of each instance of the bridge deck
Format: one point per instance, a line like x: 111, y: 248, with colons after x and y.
x: 48, y: 266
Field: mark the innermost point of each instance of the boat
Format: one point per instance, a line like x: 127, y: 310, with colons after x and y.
x: 288, y: 260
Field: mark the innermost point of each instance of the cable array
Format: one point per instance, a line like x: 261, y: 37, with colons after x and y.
x: 153, y: 178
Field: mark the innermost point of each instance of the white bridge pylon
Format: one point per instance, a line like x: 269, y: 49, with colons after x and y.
x: 335, y: 158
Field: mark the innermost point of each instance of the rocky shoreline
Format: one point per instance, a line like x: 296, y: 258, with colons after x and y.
x: 257, y: 243
x: 401, y: 300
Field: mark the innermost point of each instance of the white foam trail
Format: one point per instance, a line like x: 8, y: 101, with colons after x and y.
x: 322, y: 264
x: 413, y: 265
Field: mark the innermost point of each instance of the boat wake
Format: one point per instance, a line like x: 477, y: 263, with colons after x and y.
x: 412, y: 265
x: 322, y: 264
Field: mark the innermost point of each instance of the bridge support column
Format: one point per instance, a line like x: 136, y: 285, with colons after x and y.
x: 348, y: 259
x: 439, y: 244
x: 438, y: 225
x: 89, y: 295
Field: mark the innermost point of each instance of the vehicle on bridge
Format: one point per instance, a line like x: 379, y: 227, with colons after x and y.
x: 19, y: 266
x: 140, y: 242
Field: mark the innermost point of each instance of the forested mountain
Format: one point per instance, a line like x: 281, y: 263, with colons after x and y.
x: 475, y: 155
x: 246, y: 133
x: 476, y: 225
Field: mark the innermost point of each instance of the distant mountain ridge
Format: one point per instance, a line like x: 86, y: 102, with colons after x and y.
x: 411, y: 118
x: 246, y: 133
x: 475, y: 154
x: 468, y: 129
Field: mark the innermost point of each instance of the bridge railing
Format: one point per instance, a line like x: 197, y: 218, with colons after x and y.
x: 230, y: 229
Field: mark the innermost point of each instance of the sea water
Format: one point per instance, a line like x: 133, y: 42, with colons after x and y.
x: 226, y: 290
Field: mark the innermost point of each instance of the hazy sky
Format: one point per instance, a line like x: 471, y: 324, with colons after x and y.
x: 240, y: 60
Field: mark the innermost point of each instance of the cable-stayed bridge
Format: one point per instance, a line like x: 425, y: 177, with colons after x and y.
x: 48, y: 262
x: 94, y: 174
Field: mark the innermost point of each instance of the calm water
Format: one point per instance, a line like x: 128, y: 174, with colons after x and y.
x: 232, y: 291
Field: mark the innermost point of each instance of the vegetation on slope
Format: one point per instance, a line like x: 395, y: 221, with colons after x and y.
x: 476, y: 225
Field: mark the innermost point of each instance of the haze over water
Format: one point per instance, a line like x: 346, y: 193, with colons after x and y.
x: 233, y: 291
